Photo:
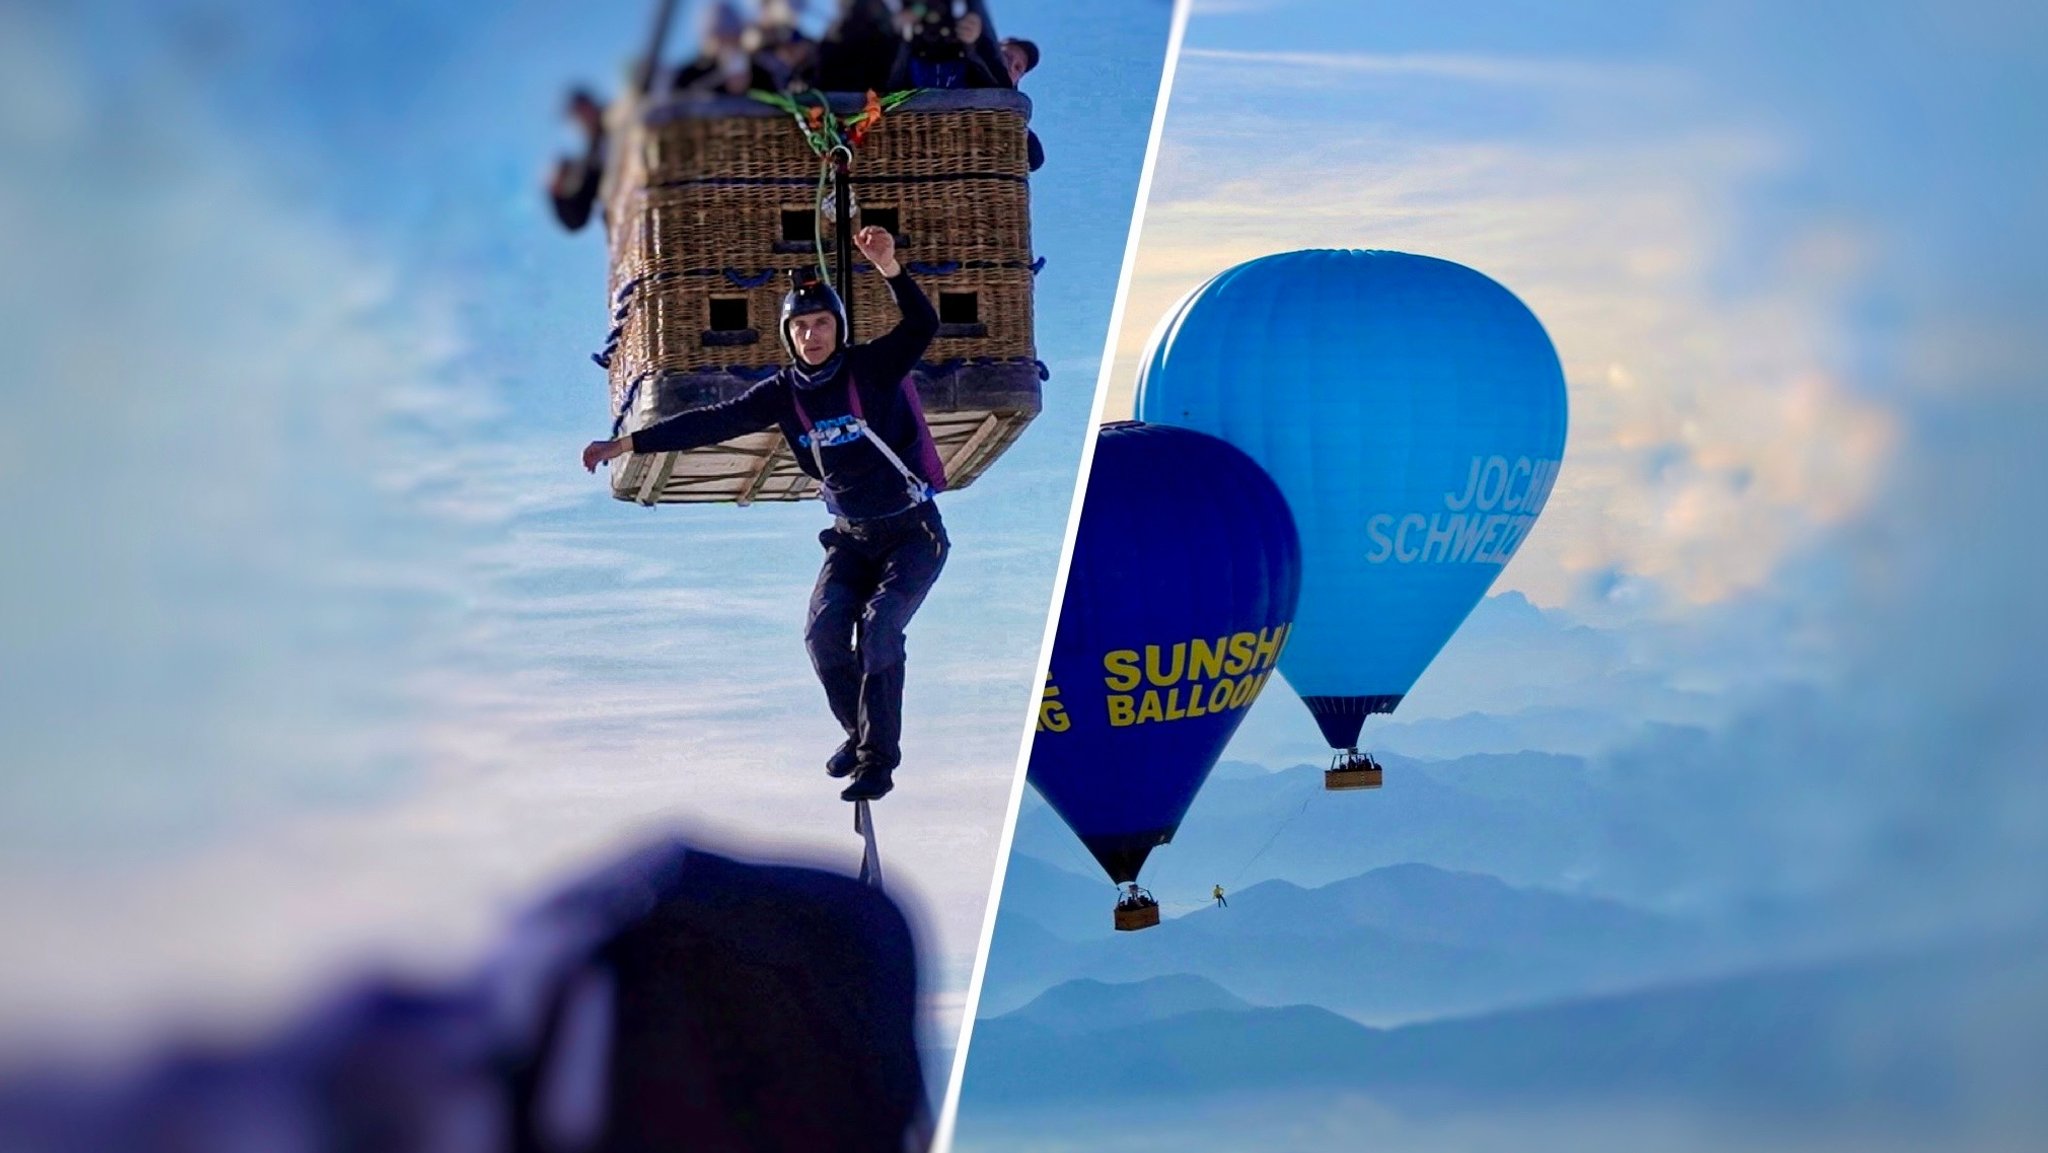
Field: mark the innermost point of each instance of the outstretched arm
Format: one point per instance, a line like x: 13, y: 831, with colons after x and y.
x: 751, y: 411
x: 893, y: 354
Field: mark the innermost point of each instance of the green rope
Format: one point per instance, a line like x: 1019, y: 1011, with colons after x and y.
x: 828, y: 137
x: 831, y: 131
x: 817, y: 229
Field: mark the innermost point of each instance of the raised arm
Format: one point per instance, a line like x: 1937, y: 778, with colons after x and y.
x: 892, y: 355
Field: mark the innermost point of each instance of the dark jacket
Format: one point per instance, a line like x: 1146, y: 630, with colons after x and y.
x: 989, y: 49
x: 856, y: 54
x: 859, y: 482
x: 573, y: 206
x: 965, y: 69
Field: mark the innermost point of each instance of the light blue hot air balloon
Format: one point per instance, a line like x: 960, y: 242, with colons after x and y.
x: 1412, y: 411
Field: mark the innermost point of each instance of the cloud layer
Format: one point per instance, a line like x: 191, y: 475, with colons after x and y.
x: 1714, y: 427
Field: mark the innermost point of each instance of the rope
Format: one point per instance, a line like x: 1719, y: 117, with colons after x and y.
x: 1187, y: 906
x: 624, y: 308
x: 871, y: 854
x: 818, y: 234
x: 650, y: 64
x: 626, y: 404
x: 603, y: 357
x: 830, y: 138
x: 1269, y: 842
x: 1087, y: 861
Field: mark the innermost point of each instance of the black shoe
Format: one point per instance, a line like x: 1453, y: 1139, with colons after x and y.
x: 843, y: 762
x: 871, y: 785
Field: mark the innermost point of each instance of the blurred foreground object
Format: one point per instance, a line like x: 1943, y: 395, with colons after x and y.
x: 676, y: 1000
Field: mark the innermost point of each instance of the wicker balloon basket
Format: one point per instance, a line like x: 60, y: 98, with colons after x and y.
x: 711, y: 203
x: 1131, y: 918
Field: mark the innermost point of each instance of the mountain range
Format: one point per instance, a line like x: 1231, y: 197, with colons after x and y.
x: 1392, y: 944
x: 1872, y: 1038
x: 1529, y: 818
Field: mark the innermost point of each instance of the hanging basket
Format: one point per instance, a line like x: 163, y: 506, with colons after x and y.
x: 711, y: 202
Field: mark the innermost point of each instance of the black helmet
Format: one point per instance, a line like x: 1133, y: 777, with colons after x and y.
x: 803, y: 298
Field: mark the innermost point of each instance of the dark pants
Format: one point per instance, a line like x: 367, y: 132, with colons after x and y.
x: 876, y: 574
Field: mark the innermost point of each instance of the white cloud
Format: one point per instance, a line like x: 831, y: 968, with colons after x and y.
x: 1274, y: 69
x: 1713, y: 429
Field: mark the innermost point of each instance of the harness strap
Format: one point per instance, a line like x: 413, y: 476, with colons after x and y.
x: 920, y: 491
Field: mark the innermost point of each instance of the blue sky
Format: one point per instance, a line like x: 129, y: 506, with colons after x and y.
x: 323, y: 648
x: 1781, y: 289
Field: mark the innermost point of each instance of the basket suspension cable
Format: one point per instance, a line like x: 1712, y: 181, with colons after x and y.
x: 650, y: 64
x: 842, y: 228
x: 1270, y: 840
x: 833, y: 140
x: 686, y: 166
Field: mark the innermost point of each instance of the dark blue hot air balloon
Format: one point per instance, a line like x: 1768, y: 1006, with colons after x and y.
x: 1412, y: 410
x: 1178, y: 605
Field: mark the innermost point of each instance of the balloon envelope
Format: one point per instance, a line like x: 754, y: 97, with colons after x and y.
x: 1412, y: 411
x: 1183, y: 584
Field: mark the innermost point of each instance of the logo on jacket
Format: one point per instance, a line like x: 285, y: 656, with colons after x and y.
x: 835, y: 431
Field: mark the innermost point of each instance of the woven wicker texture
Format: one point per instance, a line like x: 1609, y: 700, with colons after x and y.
x: 701, y: 252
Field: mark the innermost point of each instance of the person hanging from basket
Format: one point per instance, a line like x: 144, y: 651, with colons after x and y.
x: 1217, y: 894
x: 853, y: 422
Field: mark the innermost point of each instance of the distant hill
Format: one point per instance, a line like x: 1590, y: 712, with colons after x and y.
x: 1018, y: 1063
x: 1239, y: 771
x: 1063, y: 902
x: 1529, y: 818
x: 1424, y: 903
x: 1395, y: 943
x: 1028, y: 954
x: 1568, y: 687
x: 1024, y: 960
x: 1576, y: 731
x: 1892, y: 1037
x: 1086, y: 1006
